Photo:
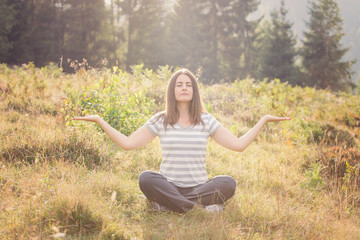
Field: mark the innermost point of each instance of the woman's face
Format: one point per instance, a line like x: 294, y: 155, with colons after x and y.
x: 183, y: 88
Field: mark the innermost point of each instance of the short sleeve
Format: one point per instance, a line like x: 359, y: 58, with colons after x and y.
x: 154, y: 123
x: 214, y: 125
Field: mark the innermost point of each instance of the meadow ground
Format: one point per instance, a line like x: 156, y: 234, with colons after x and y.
x: 64, y: 179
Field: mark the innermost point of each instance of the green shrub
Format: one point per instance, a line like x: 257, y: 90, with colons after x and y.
x: 352, y: 120
x: 314, y: 180
x: 333, y: 136
x: 327, y: 134
x: 340, y: 162
x: 124, y: 112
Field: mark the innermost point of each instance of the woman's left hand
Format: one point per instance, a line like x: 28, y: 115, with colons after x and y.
x: 270, y: 118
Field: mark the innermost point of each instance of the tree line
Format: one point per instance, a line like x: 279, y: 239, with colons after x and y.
x: 214, y: 37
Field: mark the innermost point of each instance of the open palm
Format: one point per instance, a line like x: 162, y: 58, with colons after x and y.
x: 90, y: 118
x: 270, y: 118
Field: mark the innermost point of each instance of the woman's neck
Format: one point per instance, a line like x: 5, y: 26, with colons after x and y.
x: 183, y: 109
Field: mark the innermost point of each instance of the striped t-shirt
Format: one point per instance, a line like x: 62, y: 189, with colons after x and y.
x: 184, y: 149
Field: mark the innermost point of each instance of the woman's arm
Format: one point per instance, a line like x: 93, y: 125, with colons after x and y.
x: 139, y: 138
x: 226, y: 139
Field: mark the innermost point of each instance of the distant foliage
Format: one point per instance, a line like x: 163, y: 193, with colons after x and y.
x: 222, y: 40
x: 322, y: 51
x: 278, y: 54
x: 7, y: 19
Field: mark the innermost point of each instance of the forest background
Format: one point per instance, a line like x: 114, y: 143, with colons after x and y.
x: 224, y: 40
x: 64, y: 179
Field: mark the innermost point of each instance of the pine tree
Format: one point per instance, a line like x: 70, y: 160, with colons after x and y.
x: 20, y: 35
x: 43, y: 33
x: 322, y: 51
x: 143, y: 28
x: 357, y: 89
x: 7, y: 17
x: 33, y: 35
x: 148, y: 36
x: 278, y: 54
x: 86, y: 30
x: 239, y: 39
x: 193, y: 37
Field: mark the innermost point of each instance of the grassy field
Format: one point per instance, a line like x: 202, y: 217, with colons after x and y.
x: 63, y: 179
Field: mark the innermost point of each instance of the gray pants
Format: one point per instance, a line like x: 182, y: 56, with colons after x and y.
x: 157, y: 188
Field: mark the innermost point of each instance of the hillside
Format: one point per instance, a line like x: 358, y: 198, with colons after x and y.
x: 60, y: 178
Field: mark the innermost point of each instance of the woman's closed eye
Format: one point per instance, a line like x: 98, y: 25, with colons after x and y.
x: 187, y: 85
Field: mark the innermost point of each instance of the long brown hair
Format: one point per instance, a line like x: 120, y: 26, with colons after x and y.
x: 171, y: 115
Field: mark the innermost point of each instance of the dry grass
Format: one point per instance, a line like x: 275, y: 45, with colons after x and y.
x: 69, y: 181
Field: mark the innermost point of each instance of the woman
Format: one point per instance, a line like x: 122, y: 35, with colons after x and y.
x: 184, y: 129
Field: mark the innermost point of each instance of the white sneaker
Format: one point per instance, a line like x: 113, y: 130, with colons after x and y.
x: 214, y: 208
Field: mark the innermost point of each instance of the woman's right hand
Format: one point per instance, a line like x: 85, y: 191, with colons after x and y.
x: 90, y: 118
x: 137, y: 139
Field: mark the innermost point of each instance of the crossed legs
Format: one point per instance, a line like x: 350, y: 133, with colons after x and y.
x: 215, y: 191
